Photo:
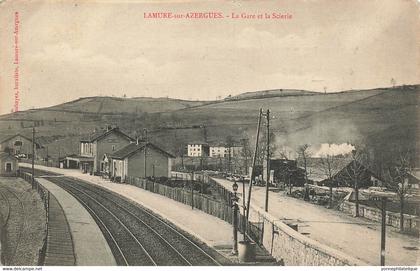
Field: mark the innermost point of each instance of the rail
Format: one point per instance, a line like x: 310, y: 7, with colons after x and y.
x: 202, y: 202
x: 45, y: 197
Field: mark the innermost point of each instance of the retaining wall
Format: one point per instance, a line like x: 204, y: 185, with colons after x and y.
x: 411, y: 223
x: 293, y: 248
x: 287, y: 245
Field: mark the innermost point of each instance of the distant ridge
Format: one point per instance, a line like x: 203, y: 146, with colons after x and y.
x: 384, y: 118
x: 261, y: 94
x: 270, y: 93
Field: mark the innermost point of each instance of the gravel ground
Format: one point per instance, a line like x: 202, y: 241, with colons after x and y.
x: 4, y: 209
x: 25, y: 230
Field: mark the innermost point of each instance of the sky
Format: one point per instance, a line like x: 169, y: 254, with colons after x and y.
x: 71, y: 49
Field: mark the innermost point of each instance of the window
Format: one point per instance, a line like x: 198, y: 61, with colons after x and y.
x: 113, y: 147
x: 18, y: 143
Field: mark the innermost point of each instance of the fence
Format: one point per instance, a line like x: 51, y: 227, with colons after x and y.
x: 283, y: 242
x: 205, y: 203
x: 198, y: 176
x: 50, y: 163
x: 225, y: 193
x: 45, y: 197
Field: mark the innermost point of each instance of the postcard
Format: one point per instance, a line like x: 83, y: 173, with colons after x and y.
x: 209, y: 133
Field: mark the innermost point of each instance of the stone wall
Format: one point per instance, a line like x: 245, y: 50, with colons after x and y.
x: 411, y: 223
x: 293, y: 248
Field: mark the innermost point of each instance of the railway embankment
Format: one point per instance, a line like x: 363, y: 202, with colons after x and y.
x: 22, y: 223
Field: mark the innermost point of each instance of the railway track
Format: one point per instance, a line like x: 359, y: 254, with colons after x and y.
x: 7, y: 207
x: 135, y: 235
x: 14, y: 221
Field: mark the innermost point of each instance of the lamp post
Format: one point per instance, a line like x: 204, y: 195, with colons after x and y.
x: 235, y: 219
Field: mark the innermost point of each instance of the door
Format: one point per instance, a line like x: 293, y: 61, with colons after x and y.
x: 8, y: 167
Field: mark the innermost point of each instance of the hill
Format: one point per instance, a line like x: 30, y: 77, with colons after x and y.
x: 270, y: 93
x: 91, y: 106
x: 112, y: 105
x: 385, y: 119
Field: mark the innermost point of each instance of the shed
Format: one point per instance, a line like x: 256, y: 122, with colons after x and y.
x: 129, y: 161
x: 8, y: 164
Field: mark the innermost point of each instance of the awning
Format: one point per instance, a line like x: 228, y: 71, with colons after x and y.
x: 80, y: 159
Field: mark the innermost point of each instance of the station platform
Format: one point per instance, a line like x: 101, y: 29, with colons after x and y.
x: 82, y: 239
x: 208, y: 229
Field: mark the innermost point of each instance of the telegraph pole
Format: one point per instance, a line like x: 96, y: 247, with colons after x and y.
x: 253, y: 165
x: 33, y: 155
x: 145, y: 152
x: 383, y: 230
x: 245, y: 156
x: 268, y: 160
x: 243, y: 203
x: 59, y: 154
x: 192, y: 190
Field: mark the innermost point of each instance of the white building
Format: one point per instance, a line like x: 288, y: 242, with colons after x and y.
x: 222, y: 151
x: 198, y: 150
x: 218, y: 151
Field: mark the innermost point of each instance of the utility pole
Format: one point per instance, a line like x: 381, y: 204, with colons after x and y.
x: 230, y: 158
x: 59, y: 154
x: 145, y: 152
x: 245, y: 156
x: 253, y: 165
x: 243, y: 203
x: 383, y: 230
x: 33, y: 155
x: 192, y: 190
x: 268, y: 160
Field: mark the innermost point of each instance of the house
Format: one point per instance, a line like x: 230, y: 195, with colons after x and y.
x: 285, y: 171
x: 8, y: 164
x: 94, y: 146
x: 218, y: 151
x: 130, y: 161
x: 413, y: 181
x: 223, y: 151
x: 343, y: 170
x: 198, y: 149
x: 18, y: 145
